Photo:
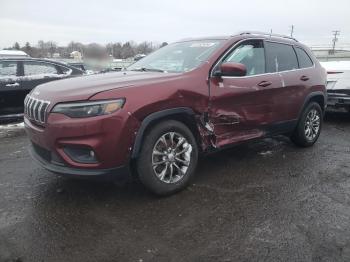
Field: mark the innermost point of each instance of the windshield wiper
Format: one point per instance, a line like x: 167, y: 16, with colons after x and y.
x: 145, y: 69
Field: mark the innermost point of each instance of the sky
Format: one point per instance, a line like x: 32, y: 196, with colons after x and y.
x: 105, y: 21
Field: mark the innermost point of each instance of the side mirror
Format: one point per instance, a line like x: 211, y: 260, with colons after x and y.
x: 231, y: 69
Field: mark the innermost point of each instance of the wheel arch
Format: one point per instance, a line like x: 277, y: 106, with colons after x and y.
x: 318, y: 97
x: 184, y: 115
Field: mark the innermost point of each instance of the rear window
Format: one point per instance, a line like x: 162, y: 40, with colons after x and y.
x: 8, y: 69
x: 280, y: 57
x: 303, y: 58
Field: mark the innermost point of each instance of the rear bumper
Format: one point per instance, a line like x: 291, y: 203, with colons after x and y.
x: 335, y: 100
x: 121, y: 172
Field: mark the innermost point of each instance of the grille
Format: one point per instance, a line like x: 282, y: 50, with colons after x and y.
x: 35, y: 109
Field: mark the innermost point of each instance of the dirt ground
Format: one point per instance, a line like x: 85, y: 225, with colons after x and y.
x: 262, y: 201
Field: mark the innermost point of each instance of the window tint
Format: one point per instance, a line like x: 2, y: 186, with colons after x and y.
x: 303, y: 57
x: 38, y: 68
x: 251, y: 54
x: 8, y: 69
x: 280, y: 57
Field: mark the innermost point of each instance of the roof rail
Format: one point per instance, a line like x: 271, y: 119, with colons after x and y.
x: 266, y: 34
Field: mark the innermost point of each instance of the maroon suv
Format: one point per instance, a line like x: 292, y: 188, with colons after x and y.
x: 194, y: 96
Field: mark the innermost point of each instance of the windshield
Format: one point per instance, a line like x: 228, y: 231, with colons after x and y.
x: 177, y: 57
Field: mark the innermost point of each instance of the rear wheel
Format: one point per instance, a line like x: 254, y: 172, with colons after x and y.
x: 309, y: 126
x: 168, y: 158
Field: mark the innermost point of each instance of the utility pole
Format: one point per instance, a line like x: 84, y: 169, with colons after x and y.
x: 291, y: 30
x: 335, y: 39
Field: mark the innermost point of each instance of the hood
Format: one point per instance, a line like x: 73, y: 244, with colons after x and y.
x: 84, y: 87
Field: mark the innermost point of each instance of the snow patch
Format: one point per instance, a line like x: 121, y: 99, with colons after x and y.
x: 12, y: 126
x: 266, y: 153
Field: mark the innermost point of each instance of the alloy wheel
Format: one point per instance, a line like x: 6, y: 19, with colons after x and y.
x: 171, y: 157
x: 312, y: 124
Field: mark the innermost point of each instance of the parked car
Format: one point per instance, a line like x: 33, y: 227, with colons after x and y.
x: 338, y: 84
x: 188, y: 98
x: 18, y: 76
x: 139, y: 57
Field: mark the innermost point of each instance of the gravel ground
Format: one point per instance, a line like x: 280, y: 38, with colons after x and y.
x: 262, y: 201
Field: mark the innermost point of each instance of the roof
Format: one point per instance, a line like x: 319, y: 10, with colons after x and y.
x: 17, y: 53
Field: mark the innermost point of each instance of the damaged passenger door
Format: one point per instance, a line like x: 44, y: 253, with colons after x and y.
x: 242, y: 104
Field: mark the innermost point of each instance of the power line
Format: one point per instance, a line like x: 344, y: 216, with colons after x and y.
x: 291, y: 30
x: 335, y: 39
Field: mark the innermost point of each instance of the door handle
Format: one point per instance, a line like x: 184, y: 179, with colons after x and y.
x: 264, y: 83
x: 12, y: 85
x: 304, y: 78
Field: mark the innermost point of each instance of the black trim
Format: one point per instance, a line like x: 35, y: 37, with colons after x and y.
x: 281, y: 128
x: 309, y: 97
x: 111, y: 173
x: 152, y: 117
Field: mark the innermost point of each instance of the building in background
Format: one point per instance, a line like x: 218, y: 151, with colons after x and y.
x: 328, y: 54
x: 76, y: 55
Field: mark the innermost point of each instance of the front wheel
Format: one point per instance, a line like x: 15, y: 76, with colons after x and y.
x: 168, y: 158
x: 309, y: 126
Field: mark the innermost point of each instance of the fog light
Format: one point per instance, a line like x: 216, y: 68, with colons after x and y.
x: 81, y: 154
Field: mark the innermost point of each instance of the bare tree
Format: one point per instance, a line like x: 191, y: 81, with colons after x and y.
x: 116, y: 50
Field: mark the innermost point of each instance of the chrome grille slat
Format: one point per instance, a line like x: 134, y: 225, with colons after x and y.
x: 32, y: 109
x: 36, y: 109
x: 39, y: 112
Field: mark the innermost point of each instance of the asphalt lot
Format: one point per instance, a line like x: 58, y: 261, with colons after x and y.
x: 262, y: 201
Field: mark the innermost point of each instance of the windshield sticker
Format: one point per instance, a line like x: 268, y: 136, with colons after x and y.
x: 208, y: 44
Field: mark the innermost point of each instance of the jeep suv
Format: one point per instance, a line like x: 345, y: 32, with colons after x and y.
x: 188, y: 98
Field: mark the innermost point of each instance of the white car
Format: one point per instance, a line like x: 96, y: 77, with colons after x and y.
x: 338, y: 83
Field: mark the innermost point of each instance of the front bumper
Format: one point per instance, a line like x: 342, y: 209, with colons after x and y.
x: 107, y: 137
x: 44, y: 158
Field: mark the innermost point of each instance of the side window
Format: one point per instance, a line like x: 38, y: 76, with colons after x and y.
x: 303, y: 58
x: 251, y: 54
x: 65, y: 70
x: 8, y: 69
x: 280, y: 57
x: 38, y: 68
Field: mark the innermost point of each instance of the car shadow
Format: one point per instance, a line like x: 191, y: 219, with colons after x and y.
x: 337, y: 117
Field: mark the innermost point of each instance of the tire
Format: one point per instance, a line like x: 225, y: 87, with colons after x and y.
x: 158, y: 166
x: 304, y: 134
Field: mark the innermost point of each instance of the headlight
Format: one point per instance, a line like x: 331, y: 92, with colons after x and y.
x: 89, y: 109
